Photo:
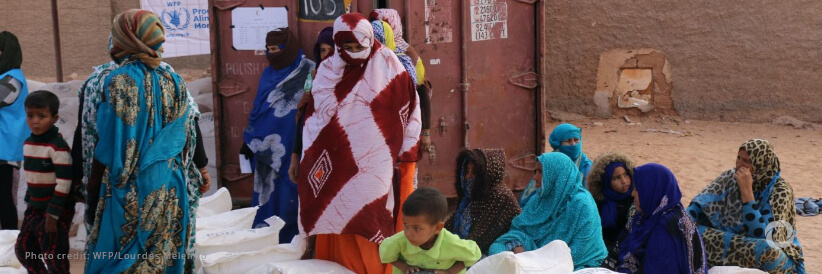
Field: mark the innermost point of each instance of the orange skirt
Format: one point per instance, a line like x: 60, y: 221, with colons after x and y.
x: 357, y: 253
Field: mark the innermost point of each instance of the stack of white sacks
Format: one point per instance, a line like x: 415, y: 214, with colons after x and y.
x: 8, y: 260
x: 226, y: 243
x: 556, y: 258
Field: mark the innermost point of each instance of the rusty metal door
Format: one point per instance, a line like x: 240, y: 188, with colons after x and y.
x: 236, y: 74
x: 480, y: 57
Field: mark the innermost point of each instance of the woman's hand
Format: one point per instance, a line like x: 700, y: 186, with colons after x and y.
x: 426, y: 142
x: 294, y: 168
x: 206, y: 181
x: 518, y: 250
x: 301, y: 105
x: 51, y: 224
x: 744, y: 179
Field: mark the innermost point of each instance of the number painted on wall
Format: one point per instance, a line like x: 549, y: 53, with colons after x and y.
x: 321, y: 10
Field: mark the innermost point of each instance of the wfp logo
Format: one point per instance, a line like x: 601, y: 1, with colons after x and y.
x: 175, y: 19
x: 770, y: 230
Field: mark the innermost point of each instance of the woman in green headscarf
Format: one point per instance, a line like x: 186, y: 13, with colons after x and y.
x: 560, y: 209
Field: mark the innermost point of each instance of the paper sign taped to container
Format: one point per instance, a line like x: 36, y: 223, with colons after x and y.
x: 489, y: 19
x: 186, y: 25
x: 245, y: 165
x: 250, y: 25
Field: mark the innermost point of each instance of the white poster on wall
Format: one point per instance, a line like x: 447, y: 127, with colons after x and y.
x: 186, y: 25
x: 249, y: 26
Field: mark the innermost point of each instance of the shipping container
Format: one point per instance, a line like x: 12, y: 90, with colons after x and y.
x: 482, y: 57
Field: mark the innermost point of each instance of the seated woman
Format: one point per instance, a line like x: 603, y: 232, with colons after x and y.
x: 486, y: 205
x: 735, y: 210
x: 610, y: 184
x: 560, y: 209
x: 565, y: 138
x: 660, y: 238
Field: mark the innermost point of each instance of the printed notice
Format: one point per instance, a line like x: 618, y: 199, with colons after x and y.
x: 186, y: 23
x: 250, y: 25
x: 489, y: 19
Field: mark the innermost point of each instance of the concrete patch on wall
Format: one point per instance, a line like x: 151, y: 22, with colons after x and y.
x: 633, y: 81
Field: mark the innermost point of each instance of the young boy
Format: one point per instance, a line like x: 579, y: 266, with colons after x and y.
x: 424, y: 245
x: 47, y: 165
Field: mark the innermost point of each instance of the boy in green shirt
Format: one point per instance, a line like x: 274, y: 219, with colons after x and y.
x: 424, y: 245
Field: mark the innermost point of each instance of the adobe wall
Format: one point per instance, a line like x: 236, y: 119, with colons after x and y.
x: 730, y: 61
x: 84, y: 27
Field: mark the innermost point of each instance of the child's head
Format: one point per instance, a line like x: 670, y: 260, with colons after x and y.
x: 41, y: 111
x: 424, y: 212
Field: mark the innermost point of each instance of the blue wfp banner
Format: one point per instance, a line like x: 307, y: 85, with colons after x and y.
x: 186, y: 24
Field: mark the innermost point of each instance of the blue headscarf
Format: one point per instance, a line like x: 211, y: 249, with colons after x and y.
x: 462, y: 217
x: 560, y: 210
x: 270, y: 136
x: 609, y: 207
x: 661, y: 210
x: 567, y: 131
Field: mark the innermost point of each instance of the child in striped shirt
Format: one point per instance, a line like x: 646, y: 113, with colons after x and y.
x: 47, y: 166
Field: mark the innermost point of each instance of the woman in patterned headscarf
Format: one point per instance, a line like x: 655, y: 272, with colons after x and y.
x: 85, y: 141
x: 747, y: 214
x: 486, y: 205
x: 144, y: 150
x: 560, y: 209
x: 271, y: 130
x: 363, y: 121
x: 660, y: 237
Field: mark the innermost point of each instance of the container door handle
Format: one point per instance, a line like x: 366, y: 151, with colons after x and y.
x: 230, y: 87
x: 524, y: 79
x: 527, y: 162
x: 443, y: 129
x: 231, y: 173
x: 432, y: 153
x: 528, y: 1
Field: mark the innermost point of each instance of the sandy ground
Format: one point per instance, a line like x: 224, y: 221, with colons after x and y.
x: 705, y: 150
x: 699, y: 158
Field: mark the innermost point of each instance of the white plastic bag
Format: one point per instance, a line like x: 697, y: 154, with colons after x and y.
x: 733, y: 270
x: 597, y: 270
x: 205, y: 102
x: 34, y: 85
x: 229, y: 221
x: 217, y: 203
x: 552, y: 258
x: 200, y: 86
x: 8, y: 258
x: 243, y: 262
x: 302, y: 266
x: 245, y: 240
x: 12, y: 270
